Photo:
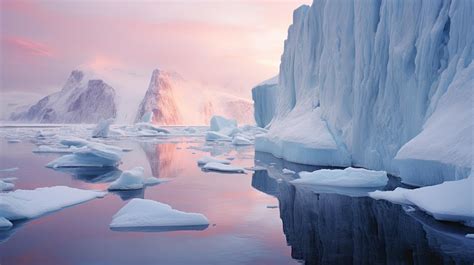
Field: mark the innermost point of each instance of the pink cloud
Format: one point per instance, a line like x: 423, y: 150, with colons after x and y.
x: 29, y: 47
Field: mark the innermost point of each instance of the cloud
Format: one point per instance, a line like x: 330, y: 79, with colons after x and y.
x: 27, y: 46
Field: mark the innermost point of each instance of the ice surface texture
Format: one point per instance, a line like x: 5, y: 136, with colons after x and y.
x: 25, y: 204
x: 133, y: 179
x: 361, y: 81
x: 156, y: 216
x: 348, y: 177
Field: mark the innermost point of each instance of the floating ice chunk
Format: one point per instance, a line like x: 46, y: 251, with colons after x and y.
x: 241, y: 140
x: 142, y: 214
x: 349, y: 177
x: 133, y: 179
x: 216, y: 136
x: 214, y: 166
x: 4, y: 185
x: 223, y: 125
x: 24, y: 204
x: 5, y: 224
x: 13, y: 141
x: 49, y: 149
x: 394, y: 196
x: 448, y: 201
x: 255, y: 168
x: 74, y: 141
x: 288, y: 171
x: 207, y: 159
x: 150, y: 127
x: 470, y: 236
x: 12, y: 169
x: 92, y: 155
x: 102, y: 129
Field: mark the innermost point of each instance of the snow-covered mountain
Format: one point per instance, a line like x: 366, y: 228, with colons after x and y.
x: 79, y: 101
x: 160, y: 100
x: 380, y: 84
x: 174, y: 100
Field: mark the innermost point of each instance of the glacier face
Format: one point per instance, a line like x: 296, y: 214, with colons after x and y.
x: 383, y: 77
x: 264, y: 96
x: 79, y: 101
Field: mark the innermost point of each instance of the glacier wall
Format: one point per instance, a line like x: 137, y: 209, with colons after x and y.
x: 377, y: 75
x: 264, y: 96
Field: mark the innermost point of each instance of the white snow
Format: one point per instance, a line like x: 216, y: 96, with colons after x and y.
x: 102, y: 129
x: 5, y: 224
x: 133, y: 179
x: 449, y: 201
x: 91, y: 155
x: 142, y: 213
x: 207, y: 159
x: 24, y: 204
x: 349, y: 177
x: 214, y: 166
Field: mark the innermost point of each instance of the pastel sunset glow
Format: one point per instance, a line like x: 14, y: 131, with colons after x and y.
x: 226, y: 45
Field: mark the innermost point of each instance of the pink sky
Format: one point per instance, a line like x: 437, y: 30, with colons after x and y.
x: 229, y: 45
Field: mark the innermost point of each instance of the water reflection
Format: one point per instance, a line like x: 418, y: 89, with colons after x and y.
x: 325, y: 228
x: 162, y: 158
x: 92, y: 174
x: 126, y: 195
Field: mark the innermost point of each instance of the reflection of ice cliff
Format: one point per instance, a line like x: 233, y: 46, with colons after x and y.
x: 160, y: 157
x: 336, y: 229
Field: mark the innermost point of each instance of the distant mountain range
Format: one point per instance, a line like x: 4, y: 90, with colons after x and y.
x: 172, y: 100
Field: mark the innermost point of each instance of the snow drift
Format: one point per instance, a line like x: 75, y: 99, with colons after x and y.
x: 379, y: 84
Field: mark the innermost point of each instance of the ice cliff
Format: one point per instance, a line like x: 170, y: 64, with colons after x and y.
x: 264, y: 110
x: 79, y: 101
x: 379, y: 84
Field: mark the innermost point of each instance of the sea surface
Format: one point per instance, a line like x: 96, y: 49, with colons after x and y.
x: 255, y: 218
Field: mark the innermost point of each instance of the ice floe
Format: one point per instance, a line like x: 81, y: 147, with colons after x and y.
x: 207, y: 159
x: 349, y: 177
x: 91, y: 155
x: 214, y: 166
x: 5, y: 185
x: 148, y: 215
x: 56, y: 150
x: 288, y: 171
x: 133, y: 179
x: 5, y: 224
x: 448, y: 201
x: 26, y: 204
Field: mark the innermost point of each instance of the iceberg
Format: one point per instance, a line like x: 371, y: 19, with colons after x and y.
x: 219, y: 167
x: 349, y: 177
x: 377, y: 84
x: 207, y: 159
x: 56, y: 150
x: 132, y: 179
x: 449, y: 201
x: 216, y: 136
x: 5, y: 224
x: 148, y: 215
x: 5, y: 185
x: 222, y: 125
x: 241, y: 140
x: 102, y: 129
x: 264, y: 96
x: 27, y: 204
x: 91, y: 155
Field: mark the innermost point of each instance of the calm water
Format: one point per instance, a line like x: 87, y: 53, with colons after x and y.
x: 246, y: 228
